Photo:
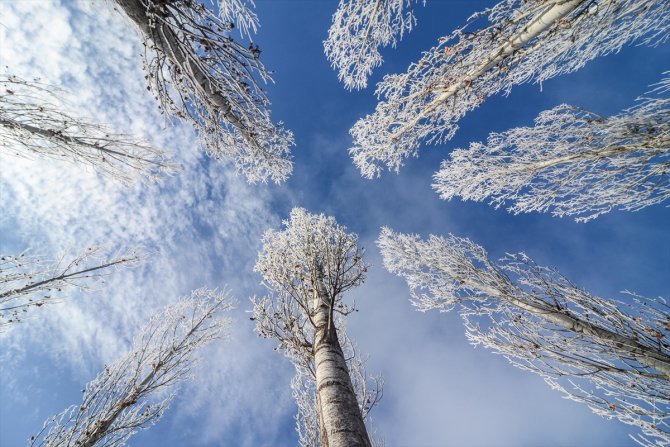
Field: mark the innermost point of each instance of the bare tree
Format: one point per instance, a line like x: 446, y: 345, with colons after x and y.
x: 525, y: 41
x: 134, y: 392
x: 359, y: 28
x: 200, y: 74
x: 572, y: 162
x: 613, y: 356
x: 28, y: 281
x: 308, y: 267
x: 32, y: 124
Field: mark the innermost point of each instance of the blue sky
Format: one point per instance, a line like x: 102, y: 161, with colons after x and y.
x: 204, y: 227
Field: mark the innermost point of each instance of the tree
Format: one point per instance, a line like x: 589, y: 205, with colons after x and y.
x: 613, y: 356
x: 525, y: 41
x: 368, y: 391
x: 32, y: 124
x: 28, y: 281
x: 572, y: 162
x: 308, y: 267
x: 200, y: 74
x: 131, y: 393
x: 359, y: 28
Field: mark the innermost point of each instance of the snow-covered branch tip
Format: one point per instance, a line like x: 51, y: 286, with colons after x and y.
x: 612, y: 355
x: 359, y: 29
x: 572, y: 162
x: 33, y: 124
x: 133, y: 393
x: 523, y: 41
x: 200, y: 74
x: 28, y: 281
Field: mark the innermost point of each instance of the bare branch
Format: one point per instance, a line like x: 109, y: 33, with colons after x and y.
x: 32, y: 124
x: 572, y: 162
x: 134, y: 392
x: 525, y: 41
x: 200, y: 74
x: 359, y: 28
x: 613, y: 356
x: 28, y: 281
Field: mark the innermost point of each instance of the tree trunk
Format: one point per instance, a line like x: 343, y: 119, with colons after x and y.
x: 645, y: 355
x: 168, y: 44
x: 541, y: 23
x: 340, y: 418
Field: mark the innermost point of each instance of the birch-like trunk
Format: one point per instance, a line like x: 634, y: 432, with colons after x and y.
x: 647, y: 356
x: 167, y: 43
x: 340, y: 418
x: 540, y: 24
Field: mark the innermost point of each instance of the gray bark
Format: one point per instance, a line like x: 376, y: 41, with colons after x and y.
x: 513, y: 44
x: 648, y: 356
x: 340, y: 418
x: 167, y: 43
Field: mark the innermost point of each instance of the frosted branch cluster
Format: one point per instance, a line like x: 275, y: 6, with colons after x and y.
x: 133, y: 392
x: 613, y: 356
x: 200, y: 74
x: 524, y: 41
x: 311, y: 261
x: 572, y: 162
x: 359, y: 29
x: 290, y: 264
x: 28, y: 281
x: 32, y: 124
x: 240, y: 15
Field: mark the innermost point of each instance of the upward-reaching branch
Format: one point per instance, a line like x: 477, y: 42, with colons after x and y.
x: 526, y: 41
x: 133, y: 392
x: 31, y: 281
x: 613, y: 356
x: 572, y: 162
x: 199, y: 73
x: 32, y: 124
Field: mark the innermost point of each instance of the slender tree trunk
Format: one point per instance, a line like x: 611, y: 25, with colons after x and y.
x: 541, y: 23
x: 167, y: 43
x: 648, y: 356
x: 340, y: 418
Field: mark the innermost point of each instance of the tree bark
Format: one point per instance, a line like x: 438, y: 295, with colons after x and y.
x: 541, y: 23
x: 340, y: 418
x: 647, y: 356
x: 168, y: 43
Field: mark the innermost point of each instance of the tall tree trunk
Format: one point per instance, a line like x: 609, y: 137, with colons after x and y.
x: 538, y: 25
x: 168, y: 43
x: 340, y: 418
x: 646, y: 355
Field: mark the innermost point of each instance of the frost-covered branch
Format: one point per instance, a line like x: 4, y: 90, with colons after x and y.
x: 28, y: 281
x: 572, y: 162
x: 200, y: 74
x: 613, y: 356
x: 524, y: 41
x: 134, y: 392
x: 359, y: 29
x: 308, y: 266
x: 33, y: 125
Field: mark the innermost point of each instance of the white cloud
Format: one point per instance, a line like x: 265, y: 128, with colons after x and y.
x: 201, y: 225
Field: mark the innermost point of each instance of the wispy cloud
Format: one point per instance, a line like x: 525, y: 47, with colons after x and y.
x: 201, y: 226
